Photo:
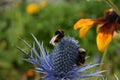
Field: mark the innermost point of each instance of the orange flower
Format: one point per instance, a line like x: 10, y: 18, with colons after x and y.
x: 105, y: 27
x: 32, y: 8
x: 30, y: 73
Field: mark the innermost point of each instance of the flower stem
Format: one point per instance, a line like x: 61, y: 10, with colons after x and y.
x: 113, y: 6
x: 102, y: 62
x: 103, y: 59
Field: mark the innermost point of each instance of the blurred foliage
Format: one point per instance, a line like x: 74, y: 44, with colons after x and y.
x: 16, y: 22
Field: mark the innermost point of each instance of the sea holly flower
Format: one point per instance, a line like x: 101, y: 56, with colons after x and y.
x: 61, y: 63
x: 105, y: 27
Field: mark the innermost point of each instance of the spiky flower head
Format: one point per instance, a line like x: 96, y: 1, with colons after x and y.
x: 61, y: 63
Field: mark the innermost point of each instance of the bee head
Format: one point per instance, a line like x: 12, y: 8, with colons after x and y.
x: 59, y: 34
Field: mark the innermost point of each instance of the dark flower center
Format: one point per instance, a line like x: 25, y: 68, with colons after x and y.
x: 112, y: 17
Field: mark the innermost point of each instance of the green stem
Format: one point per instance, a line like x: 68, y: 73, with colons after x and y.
x: 102, y: 62
x: 113, y: 6
x: 103, y: 59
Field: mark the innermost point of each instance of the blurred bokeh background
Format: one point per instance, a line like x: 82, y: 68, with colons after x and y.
x: 20, y: 18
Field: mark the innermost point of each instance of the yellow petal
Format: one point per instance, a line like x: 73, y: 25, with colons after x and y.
x: 84, y: 30
x: 103, y: 40
x: 99, y: 26
x: 83, y: 23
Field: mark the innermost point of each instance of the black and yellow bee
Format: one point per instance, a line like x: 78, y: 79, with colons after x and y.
x: 81, y: 57
x: 59, y: 34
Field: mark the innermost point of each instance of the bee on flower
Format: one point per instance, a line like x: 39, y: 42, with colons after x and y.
x: 105, y: 27
x: 62, y: 63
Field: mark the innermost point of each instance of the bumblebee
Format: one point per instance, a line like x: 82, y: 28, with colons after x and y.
x: 81, y: 57
x: 58, y: 35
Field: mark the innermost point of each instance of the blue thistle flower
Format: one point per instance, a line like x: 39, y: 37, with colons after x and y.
x: 61, y: 63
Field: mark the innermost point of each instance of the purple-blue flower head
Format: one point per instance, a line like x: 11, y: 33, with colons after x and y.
x: 61, y: 63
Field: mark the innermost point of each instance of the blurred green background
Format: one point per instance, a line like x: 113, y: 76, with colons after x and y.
x: 43, y: 19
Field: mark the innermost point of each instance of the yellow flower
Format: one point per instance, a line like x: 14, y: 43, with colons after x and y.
x: 32, y: 8
x: 43, y: 4
x: 105, y: 27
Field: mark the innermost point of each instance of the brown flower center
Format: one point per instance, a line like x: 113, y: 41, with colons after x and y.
x: 112, y: 17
